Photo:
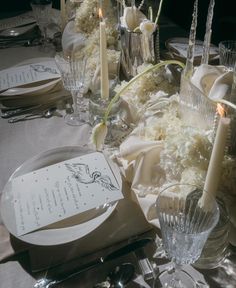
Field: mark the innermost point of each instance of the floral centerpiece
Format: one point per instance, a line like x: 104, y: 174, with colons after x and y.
x: 82, y: 35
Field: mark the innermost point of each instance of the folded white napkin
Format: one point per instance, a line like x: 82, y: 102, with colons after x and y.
x: 213, y: 81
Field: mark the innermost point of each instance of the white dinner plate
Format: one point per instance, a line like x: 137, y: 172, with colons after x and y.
x: 179, y: 45
x: 64, y: 231
x: 37, y: 88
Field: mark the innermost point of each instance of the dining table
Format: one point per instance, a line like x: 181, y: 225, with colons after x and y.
x: 22, y: 263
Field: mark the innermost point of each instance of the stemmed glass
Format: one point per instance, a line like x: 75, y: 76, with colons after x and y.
x: 73, y: 73
x: 42, y: 13
x: 185, y: 227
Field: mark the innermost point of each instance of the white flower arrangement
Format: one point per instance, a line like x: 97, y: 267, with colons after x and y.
x: 87, y: 19
x: 185, y: 152
x: 87, y: 23
x: 140, y: 93
x: 124, y: 88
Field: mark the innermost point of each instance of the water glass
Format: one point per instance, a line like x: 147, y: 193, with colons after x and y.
x: 73, y: 74
x: 185, y: 227
x: 227, y: 52
x: 42, y: 13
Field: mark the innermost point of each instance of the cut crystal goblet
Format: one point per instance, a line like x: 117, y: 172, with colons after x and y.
x: 42, y: 10
x: 185, y: 227
x: 73, y: 72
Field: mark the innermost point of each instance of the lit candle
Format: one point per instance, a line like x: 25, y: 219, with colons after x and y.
x: 63, y: 14
x: 217, y: 155
x: 103, y: 59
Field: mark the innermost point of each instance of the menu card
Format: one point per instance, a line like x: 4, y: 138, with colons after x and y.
x: 26, y: 74
x: 62, y: 190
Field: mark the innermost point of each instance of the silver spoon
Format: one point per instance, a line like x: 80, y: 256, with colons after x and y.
x: 119, y: 277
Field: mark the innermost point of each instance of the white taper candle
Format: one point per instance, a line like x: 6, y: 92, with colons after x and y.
x: 104, y: 62
x: 217, y: 155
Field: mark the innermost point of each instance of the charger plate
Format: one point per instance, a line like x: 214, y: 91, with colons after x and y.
x: 66, y: 230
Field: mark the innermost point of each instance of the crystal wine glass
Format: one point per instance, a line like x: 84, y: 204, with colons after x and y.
x: 185, y: 227
x: 42, y: 13
x: 73, y: 78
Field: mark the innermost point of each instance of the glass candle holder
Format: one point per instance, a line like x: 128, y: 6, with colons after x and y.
x: 117, y: 126
x: 216, y: 248
x: 195, y: 109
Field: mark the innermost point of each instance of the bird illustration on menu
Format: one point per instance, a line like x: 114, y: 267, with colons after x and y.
x: 82, y: 174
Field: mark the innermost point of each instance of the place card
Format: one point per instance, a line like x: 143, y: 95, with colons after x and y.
x: 27, y: 74
x: 62, y: 190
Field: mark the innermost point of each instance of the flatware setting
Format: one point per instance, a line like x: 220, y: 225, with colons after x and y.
x: 47, y: 113
x: 47, y: 110
x: 51, y: 281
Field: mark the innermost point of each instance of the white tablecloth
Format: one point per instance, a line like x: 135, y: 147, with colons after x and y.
x: 19, y: 142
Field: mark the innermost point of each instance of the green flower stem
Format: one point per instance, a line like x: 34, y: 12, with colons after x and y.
x: 149, y: 69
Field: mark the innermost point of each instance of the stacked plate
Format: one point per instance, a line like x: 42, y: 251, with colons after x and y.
x: 37, y: 92
x: 177, y: 49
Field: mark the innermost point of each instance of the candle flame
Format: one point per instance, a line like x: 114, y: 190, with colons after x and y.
x: 221, y: 110
x: 100, y: 13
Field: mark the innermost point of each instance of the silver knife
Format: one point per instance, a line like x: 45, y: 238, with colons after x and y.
x: 51, y: 282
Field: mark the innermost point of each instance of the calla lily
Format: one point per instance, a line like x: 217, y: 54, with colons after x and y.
x: 147, y: 27
x: 99, y: 134
x: 132, y: 17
